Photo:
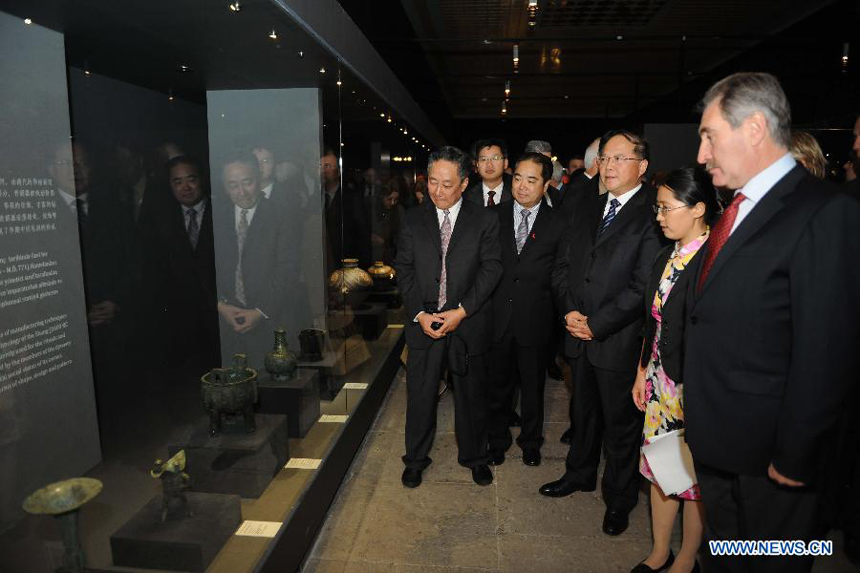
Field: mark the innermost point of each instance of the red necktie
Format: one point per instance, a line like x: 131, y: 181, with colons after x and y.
x: 490, y: 201
x: 719, y: 235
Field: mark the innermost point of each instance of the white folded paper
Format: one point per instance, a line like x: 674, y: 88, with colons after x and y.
x: 671, y: 462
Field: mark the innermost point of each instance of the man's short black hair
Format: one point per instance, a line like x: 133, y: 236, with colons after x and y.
x: 184, y: 160
x: 490, y: 142
x: 242, y: 155
x: 539, y: 158
x: 454, y: 155
x: 640, y: 144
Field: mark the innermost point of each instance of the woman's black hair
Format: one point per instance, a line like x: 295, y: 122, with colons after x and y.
x: 691, y: 185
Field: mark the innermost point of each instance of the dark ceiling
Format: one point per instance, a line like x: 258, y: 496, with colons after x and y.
x: 586, y: 65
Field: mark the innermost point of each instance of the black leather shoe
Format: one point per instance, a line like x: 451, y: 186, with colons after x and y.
x: 642, y: 568
x: 567, y: 436
x: 614, y: 522
x: 563, y: 487
x: 497, y: 458
x: 554, y: 372
x: 482, y: 475
x: 411, y: 477
x: 531, y: 457
x: 515, y: 421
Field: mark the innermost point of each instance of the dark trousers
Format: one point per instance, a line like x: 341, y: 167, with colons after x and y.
x: 755, y: 508
x: 603, y: 413
x: 424, y: 369
x: 507, y: 358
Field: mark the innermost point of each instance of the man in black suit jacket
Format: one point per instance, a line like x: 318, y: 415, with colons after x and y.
x: 523, y: 310
x: 347, y: 221
x: 181, y: 263
x: 448, y: 264
x: 256, y: 260
x: 600, y: 274
x: 772, y: 331
x: 491, y: 159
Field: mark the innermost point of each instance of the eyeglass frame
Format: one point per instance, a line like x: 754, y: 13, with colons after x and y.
x: 658, y: 209
x: 487, y: 159
x: 616, y: 159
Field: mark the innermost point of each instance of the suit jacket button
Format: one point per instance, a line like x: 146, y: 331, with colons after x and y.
x: 516, y: 280
x: 587, y: 280
x: 694, y: 320
x: 510, y: 300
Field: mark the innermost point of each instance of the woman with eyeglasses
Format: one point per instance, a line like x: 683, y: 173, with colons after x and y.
x: 686, y: 204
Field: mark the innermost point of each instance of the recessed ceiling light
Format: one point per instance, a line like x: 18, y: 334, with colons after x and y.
x: 339, y: 83
x: 301, y: 54
x: 273, y: 35
x: 28, y: 21
x: 322, y: 70
x: 566, y: 96
x: 235, y: 6
x: 183, y: 69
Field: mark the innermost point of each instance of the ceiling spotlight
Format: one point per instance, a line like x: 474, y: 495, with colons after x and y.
x: 235, y: 6
x: 301, y: 54
x: 170, y: 94
x: 339, y: 83
x: 322, y: 70
x: 566, y: 96
x: 404, y: 131
x: 504, y: 108
x: 273, y: 35
x: 532, y: 4
x: 183, y: 69
x: 28, y: 21
x: 516, y: 54
x: 381, y: 114
x: 507, y: 88
x: 86, y: 68
x: 845, y: 48
x: 389, y: 119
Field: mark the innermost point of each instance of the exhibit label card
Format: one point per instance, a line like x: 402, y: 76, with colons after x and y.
x: 259, y: 528
x: 355, y: 386
x: 303, y: 464
x: 334, y: 418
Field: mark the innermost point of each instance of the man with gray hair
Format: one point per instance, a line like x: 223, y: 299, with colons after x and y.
x: 538, y: 146
x: 772, y: 331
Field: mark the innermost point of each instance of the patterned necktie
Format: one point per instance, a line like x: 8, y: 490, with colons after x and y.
x: 523, y: 230
x: 193, y: 227
x: 607, y: 220
x: 445, y: 233
x: 719, y: 235
x: 490, y: 200
x: 241, y: 235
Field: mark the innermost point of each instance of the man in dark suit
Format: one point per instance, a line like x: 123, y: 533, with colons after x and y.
x: 523, y: 311
x: 491, y: 159
x: 347, y: 220
x: 448, y: 263
x: 182, y: 266
x: 600, y: 274
x: 256, y: 262
x: 585, y: 183
x: 772, y: 331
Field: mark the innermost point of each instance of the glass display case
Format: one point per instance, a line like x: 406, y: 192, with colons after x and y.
x: 199, y: 208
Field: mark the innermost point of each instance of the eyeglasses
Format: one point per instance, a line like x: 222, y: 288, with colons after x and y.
x: 658, y: 209
x: 487, y: 159
x: 615, y: 159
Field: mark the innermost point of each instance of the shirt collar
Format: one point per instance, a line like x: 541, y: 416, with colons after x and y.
x: 519, y: 209
x: 623, y: 199
x: 452, y: 211
x: 497, y: 189
x: 197, y: 207
x: 757, y: 187
x: 267, y: 190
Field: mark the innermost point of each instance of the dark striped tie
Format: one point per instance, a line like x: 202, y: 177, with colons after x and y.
x: 607, y: 220
x: 193, y: 227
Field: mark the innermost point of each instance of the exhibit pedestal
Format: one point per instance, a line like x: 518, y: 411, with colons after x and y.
x: 239, y: 463
x: 372, y: 320
x: 298, y: 398
x: 186, y: 544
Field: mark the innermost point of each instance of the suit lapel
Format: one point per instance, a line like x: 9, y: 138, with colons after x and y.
x: 596, y: 216
x: 431, y: 224
x: 770, y: 205
x: 463, y: 219
x: 506, y: 234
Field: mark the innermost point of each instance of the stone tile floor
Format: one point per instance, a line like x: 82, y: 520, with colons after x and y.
x: 449, y: 524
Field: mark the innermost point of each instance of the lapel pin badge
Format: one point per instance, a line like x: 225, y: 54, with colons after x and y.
x: 533, y: 237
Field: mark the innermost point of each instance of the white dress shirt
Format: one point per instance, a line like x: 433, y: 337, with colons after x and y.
x: 453, y: 211
x: 518, y: 210
x: 249, y: 216
x: 498, y: 190
x: 623, y: 199
x: 267, y: 190
x: 199, y: 208
x: 757, y: 187
x: 72, y: 201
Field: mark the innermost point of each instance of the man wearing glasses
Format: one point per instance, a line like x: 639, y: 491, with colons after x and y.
x: 491, y: 158
x: 599, y: 276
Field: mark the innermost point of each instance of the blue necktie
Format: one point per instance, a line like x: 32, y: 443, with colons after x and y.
x: 607, y: 220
